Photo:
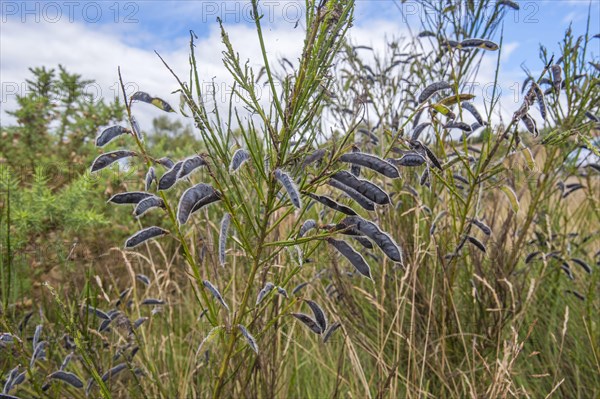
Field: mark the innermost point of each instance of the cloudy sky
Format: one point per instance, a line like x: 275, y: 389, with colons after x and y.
x: 92, y: 38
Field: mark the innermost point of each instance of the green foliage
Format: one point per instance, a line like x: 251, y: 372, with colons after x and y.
x: 59, y: 112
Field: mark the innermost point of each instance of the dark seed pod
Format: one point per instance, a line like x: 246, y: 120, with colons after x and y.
x: 109, y: 158
x: 411, y: 159
x: 355, y: 195
x: 333, y: 328
x: 343, y: 229
x: 136, y: 129
x: 482, y: 226
x: 592, y: 116
x: 316, y: 156
x: 460, y: 178
x: 541, y: 102
x: 381, y: 239
x: 152, y: 301
x: 530, y: 257
x: 282, y: 292
x: 372, y: 162
x: 572, y: 188
x: 209, y: 199
x: 583, y: 265
x: 577, y: 294
x: 530, y: 124
x: 170, y: 177
x: 426, y: 33
x: 166, y: 162
x: 364, y: 187
x: 432, y: 89
x: 328, y: 202
x: 67, y: 377
x: 451, y: 44
x: 556, y: 77
x: 508, y: 3
x: 436, y: 221
x: 141, y: 96
x: 473, y: 111
x: 425, y: 179
x: 144, y: 235
x: 365, y: 242
x: 353, y: 256
x: 223, y: 233
x: 479, y: 43
x: 418, y: 130
x: 527, y: 80
x: 355, y: 169
x: 131, y: 197
x: 148, y: 203
x: 594, y: 166
x: 18, y: 380
x: 249, y: 338
x: 7, y: 338
x: 240, y: 157
x: 122, y: 296
x: 308, y: 322
x: 189, y: 200
x: 114, y: 371
x: 475, y: 126
x: 215, y: 292
x: 318, y: 313
x: 139, y: 322
x: 567, y: 270
x: 36, y: 335
x: 465, y: 127
x: 38, y: 353
x: 189, y: 165
x: 298, y: 288
x: 10, y: 381
x: 432, y: 157
x: 477, y: 243
x: 109, y: 134
x: 150, y: 177
x: 290, y: 187
x: 66, y: 361
x: 307, y: 226
x: 147, y: 98
x: 104, y: 325
x: 143, y: 278
x: 261, y: 295
x: 100, y: 314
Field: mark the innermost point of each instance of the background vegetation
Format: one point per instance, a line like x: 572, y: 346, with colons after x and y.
x: 496, y: 294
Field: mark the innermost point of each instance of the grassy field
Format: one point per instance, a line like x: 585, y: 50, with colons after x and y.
x: 339, y: 241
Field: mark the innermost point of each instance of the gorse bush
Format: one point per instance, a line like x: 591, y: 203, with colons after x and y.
x: 411, y: 248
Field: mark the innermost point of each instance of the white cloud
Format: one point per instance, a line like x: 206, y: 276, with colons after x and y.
x: 95, y: 52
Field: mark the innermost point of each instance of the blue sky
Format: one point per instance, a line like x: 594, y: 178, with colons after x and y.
x: 93, y: 37
x: 152, y: 24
